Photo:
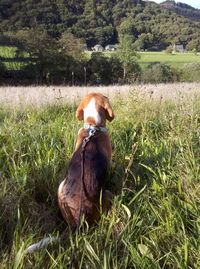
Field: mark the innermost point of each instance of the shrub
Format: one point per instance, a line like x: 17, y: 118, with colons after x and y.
x: 191, y: 72
x: 169, y: 50
x: 158, y: 72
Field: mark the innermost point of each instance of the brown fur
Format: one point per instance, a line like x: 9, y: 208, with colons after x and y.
x: 97, y: 156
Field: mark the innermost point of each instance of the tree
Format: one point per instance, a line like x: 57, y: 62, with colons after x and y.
x: 51, y: 59
x: 99, y: 69
x: 194, y: 44
x: 127, y: 56
x: 38, y: 44
x: 144, y: 41
x: 71, y: 46
x: 159, y: 72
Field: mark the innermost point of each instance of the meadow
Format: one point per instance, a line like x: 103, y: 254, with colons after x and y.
x: 176, y: 60
x: 155, y: 177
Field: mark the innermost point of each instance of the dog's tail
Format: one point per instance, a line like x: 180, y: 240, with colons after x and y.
x: 41, y: 244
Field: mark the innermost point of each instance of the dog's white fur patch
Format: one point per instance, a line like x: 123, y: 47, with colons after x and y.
x: 91, y: 111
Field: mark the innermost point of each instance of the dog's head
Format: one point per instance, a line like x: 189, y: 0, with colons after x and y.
x: 95, y: 109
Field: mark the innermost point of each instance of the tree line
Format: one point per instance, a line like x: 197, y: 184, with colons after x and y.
x: 63, y: 61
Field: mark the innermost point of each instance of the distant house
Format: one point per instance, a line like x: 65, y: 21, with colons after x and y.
x: 97, y: 48
x: 110, y: 47
x: 178, y: 48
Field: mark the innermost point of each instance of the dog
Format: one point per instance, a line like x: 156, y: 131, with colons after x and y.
x: 82, y: 192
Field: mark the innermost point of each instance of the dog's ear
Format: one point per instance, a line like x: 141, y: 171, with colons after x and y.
x: 79, y: 112
x: 109, y: 112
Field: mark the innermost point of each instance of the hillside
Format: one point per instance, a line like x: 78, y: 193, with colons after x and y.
x: 153, y: 26
x: 182, y: 9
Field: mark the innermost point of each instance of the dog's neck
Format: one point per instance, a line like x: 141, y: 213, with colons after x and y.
x: 94, y: 127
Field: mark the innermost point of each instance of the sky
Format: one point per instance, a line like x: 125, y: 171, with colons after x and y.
x: 193, y: 3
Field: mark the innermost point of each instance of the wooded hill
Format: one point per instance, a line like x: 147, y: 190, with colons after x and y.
x: 182, y: 9
x: 151, y: 25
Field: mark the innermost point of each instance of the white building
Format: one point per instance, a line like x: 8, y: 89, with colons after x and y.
x: 178, y: 48
x: 97, y: 48
x: 110, y: 47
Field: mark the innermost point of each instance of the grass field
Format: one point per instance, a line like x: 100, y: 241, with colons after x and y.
x: 9, y: 53
x: 174, y: 60
x: 155, y: 176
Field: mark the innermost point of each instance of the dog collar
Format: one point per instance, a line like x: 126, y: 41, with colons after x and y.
x: 93, y: 127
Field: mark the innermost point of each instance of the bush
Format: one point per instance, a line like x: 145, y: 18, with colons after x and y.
x: 169, y: 50
x: 158, y: 72
x: 191, y: 72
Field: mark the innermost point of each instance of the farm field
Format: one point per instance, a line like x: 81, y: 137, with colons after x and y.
x: 176, y: 60
x: 155, y: 176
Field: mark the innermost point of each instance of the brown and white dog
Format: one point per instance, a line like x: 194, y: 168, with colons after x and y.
x: 94, y: 109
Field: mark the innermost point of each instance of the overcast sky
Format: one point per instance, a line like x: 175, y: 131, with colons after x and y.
x: 193, y: 3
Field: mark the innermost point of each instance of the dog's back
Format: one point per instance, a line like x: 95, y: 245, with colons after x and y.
x: 94, y: 172
x: 91, y: 168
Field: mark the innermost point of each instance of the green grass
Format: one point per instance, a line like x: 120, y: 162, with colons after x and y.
x: 154, y: 221
x: 176, y: 60
x: 11, y: 63
x: 7, y: 52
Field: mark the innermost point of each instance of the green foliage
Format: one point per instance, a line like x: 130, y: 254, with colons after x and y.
x: 71, y: 46
x: 145, y: 42
x: 159, y: 72
x: 127, y: 56
x: 51, y: 61
x: 102, y: 21
x: 154, y: 220
x: 2, y: 68
x: 182, y: 9
x: 35, y: 42
x: 98, y: 68
x: 104, y: 70
x: 191, y: 72
x: 193, y: 45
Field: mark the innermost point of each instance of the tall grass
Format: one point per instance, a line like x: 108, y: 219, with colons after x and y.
x: 154, y: 221
x: 40, y: 96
